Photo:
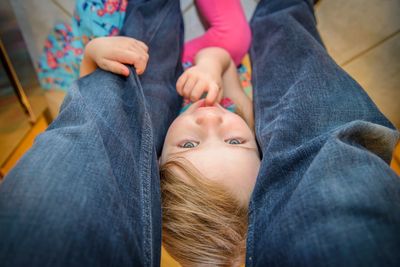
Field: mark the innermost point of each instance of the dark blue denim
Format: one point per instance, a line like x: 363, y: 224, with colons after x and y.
x: 325, y: 195
x: 87, y: 193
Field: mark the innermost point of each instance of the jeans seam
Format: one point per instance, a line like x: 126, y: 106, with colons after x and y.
x: 250, y: 238
x: 145, y: 176
x: 144, y: 171
x: 250, y: 230
x: 147, y: 146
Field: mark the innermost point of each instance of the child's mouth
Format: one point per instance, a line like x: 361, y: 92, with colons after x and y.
x: 202, y: 104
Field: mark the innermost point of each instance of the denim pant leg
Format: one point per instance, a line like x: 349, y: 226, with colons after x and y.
x: 159, y: 24
x: 87, y: 192
x: 325, y: 195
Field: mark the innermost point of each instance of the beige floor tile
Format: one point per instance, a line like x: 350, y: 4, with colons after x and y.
x: 193, y: 26
x: 378, y: 72
x: 248, y: 6
x: 36, y: 18
x: 350, y: 27
x: 185, y: 4
x: 67, y: 6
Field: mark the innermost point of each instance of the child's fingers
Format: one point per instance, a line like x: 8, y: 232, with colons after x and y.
x: 125, y: 56
x: 212, y: 94
x: 134, y: 42
x: 143, y: 46
x: 187, y: 89
x: 139, y: 60
x: 197, y: 91
x: 180, y: 83
x: 137, y: 49
x: 140, y: 66
x: 220, y: 95
x: 136, y: 58
x: 114, y: 67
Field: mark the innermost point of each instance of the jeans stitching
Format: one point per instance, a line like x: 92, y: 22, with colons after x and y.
x: 145, y: 176
x: 250, y: 230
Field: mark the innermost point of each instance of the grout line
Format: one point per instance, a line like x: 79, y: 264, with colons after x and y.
x: 62, y: 8
x: 370, y: 48
x: 188, y: 7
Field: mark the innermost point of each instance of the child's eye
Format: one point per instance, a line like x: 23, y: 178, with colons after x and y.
x: 189, y: 144
x: 234, y: 141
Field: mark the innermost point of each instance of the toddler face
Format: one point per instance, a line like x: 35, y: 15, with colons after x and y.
x: 218, y: 143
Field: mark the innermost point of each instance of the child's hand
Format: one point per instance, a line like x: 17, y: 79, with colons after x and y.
x: 111, y: 53
x: 195, y: 81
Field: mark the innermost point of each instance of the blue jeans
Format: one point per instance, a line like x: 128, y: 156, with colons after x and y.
x: 325, y: 195
x: 87, y: 193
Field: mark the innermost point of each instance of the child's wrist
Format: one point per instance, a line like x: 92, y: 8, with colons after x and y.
x: 211, y: 68
x: 88, y: 64
x: 88, y: 54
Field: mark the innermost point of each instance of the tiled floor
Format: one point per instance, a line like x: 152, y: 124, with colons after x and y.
x: 363, y: 36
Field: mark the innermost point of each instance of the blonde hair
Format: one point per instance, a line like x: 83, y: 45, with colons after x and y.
x: 203, y: 223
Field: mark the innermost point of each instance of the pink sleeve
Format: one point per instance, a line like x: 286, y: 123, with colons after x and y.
x: 228, y: 29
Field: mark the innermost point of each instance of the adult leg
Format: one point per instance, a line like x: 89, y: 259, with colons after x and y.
x: 87, y: 193
x: 325, y: 195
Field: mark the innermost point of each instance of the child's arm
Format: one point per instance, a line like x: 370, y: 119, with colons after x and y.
x: 111, y: 53
x: 232, y: 89
x: 228, y: 29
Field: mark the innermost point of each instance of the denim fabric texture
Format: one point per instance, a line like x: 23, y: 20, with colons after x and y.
x: 87, y: 193
x: 325, y: 195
